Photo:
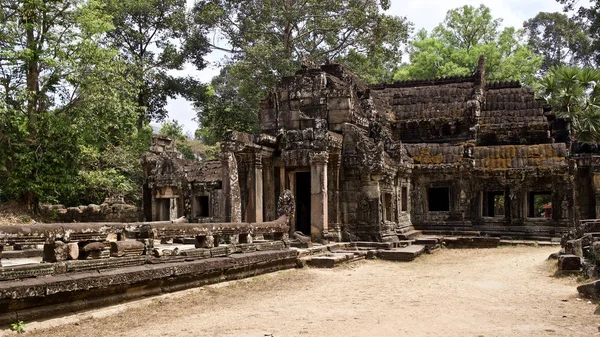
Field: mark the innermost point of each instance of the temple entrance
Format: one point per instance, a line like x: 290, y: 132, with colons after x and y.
x: 303, y: 202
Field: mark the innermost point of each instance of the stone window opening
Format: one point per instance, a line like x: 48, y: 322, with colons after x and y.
x: 539, y: 205
x: 493, y: 204
x: 202, y: 206
x: 387, y: 207
x: 438, y: 199
x: 404, y: 201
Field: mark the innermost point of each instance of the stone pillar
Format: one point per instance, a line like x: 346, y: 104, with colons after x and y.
x: 292, y: 180
x: 257, y: 188
x: 596, y: 188
x: 231, y: 200
x: 269, y: 190
x: 318, y: 195
x: 335, y: 163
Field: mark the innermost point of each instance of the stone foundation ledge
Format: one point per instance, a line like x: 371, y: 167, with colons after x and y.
x: 52, y: 295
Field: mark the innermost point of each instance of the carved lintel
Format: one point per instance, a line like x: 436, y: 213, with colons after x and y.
x: 318, y: 157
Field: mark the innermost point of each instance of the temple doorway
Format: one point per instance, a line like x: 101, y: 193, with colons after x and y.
x: 303, y: 202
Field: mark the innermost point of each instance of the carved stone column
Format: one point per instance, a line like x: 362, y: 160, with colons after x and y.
x: 231, y: 200
x: 257, y: 193
x: 269, y: 190
x: 318, y: 194
x: 334, y: 164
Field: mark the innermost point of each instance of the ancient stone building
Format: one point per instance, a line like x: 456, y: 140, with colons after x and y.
x: 374, y: 162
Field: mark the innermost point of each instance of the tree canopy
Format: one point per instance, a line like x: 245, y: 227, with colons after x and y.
x: 574, y: 94
x: 153, y: 37
x: 266, y: 40
x: 559, y: 39
x: 453, y: 48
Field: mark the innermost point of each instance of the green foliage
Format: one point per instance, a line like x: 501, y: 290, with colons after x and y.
x: 18, y: 326
x: 267, y: 40
x: 587, y: 15
x: 574, y: 94
x: 453, y: 48
x: 174, y: 130
x: 559, y: 39
x: 66, y: 99
x: 153, y: 37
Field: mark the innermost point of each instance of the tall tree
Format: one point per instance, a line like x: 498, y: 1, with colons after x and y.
x: 454, y: 47
x: 153, y: 37
x: 587, y: 14
x: 266, y: 40
x: 574, y: 94
x: 559, y: 39
x: 59, y: 86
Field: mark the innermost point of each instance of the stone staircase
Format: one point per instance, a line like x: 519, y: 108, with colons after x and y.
x: 334, y: 254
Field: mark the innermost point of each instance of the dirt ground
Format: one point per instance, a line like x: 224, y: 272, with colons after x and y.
x: 507, y: 291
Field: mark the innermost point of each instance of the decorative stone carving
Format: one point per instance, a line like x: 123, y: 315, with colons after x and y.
x: 286, y: 204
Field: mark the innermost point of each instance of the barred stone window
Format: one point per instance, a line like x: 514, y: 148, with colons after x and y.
x: 493, y: 204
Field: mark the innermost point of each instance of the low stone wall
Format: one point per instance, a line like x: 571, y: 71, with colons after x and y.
x: 106, y: 212
x: 53, y: 295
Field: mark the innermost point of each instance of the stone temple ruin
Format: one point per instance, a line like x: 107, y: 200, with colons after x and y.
x: 361, y: 169
x: 377, y: 162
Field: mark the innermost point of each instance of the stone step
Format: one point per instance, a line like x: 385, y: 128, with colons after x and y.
x: 408, y: 253
x: 410, y: 235
x: 431, y: 243
x: 372, y: 245
x: 450, y: 232
x: 333, y: 259
x: 528, y: 243
x: 471, y: 242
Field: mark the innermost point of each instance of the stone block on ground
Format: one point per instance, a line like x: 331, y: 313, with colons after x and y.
x: 569, y: 263
x: 94, y: 250
x: 330, y: 260
x: 590, y: 289
x: 574, y: 247
x: 55, y: 251
x: 401, y: 254
x: 73, y: 251
x: 126, y: 248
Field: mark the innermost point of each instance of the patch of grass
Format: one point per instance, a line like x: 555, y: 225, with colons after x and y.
x: 18, y: 326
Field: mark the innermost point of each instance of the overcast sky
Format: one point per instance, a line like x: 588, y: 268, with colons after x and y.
x: 423, y: 13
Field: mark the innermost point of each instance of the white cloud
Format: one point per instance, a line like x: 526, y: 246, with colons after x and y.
x: 423, y: 13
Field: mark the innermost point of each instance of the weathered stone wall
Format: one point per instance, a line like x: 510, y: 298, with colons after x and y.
x: 92, y: 213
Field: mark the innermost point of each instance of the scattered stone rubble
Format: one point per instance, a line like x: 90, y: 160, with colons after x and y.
x: 111, y: 210
x: 580, y: 253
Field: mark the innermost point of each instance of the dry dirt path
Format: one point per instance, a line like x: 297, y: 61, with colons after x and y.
x: 495, y: 292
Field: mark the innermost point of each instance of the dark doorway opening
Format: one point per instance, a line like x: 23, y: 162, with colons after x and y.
x: 164, y: 209
x: 147, y: 191
x: 202, y: 206
x: 439, y: 199
x: 303, y: 202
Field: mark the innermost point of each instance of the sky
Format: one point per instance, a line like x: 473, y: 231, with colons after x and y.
x: 422, y: 13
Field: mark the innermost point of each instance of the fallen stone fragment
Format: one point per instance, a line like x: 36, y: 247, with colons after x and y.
x: 55, y: 251
x: 126, y: 248
x: 569, y: 263
x: 591, y: 289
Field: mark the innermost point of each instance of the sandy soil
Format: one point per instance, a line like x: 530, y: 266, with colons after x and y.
x: 495, y: 292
